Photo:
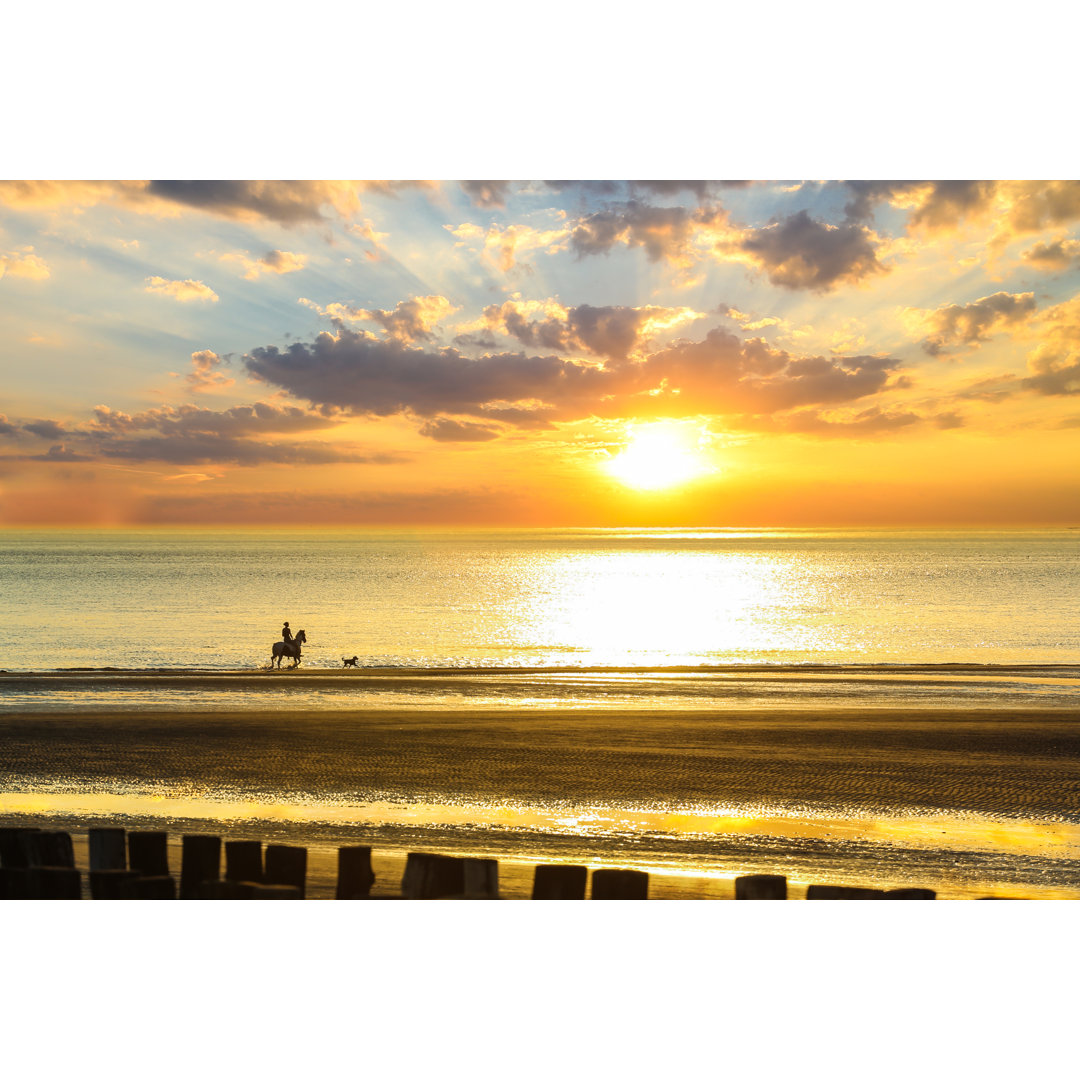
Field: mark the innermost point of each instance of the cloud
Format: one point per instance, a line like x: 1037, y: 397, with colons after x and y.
x: 957, y: 326
x: 59, y: 452
x: 205, y: 375
x: 934, y: 205
x: 273, y: 262
x: 1059, y: 254
x: 666, y: 233
x: 801, y: 253
x: 866, y: 424
x: 1055, y: 362
x: 700, y: 189
x: 6, y: 427
x: 1016, y: 207
x: 45, y: 429
x: 501, y: 245
x: 191, y: 435
x: 184, y: 291
x: 487, y: 193
x: 446, y: 430
x: 612, y: 332
x: 796, y: 252
x: 286, y: 202
x: 24, y: 264
x: 363, y: 375
x: 411, y: 320
x: 237, y: 422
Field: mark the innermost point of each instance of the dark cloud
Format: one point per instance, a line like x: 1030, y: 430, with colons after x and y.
x: 1038, y: 205
x: 724, y: 374
x: 199, y: 448
x: 611, y: 331
x: 288, y: 202
x: 478, y: 340
x: 367, y: 376
x: 487, y: 193
x: 1058, y: 255
x: 60, y: 452
x: 446, y: 430
x: 190, y: 435
x: 45, y: 429
x: 360, y: 374
x: 1052, y: 379
x: 960, y: 325
x: 700, y: 189
x: 801, y: 253
x: 593, y: 187
x: 938, y: 203
x: 7, y: 428
x: 665, y: 232
x: 238, y: 422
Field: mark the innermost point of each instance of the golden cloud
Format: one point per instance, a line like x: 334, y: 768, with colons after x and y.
x: 273, y: 262
x: 411, y: 320
x: 502, y: 246
x: 24, y: 264
x: 184, y: 291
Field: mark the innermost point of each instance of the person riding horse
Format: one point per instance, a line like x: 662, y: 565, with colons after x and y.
x: 288, y: 646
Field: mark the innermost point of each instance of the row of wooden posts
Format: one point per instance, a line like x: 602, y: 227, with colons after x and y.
x: 39, y: 864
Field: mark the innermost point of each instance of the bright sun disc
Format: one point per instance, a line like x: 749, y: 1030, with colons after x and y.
x: 657, y: 457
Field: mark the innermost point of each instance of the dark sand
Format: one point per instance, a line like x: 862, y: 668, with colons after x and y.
x: 323, y: 779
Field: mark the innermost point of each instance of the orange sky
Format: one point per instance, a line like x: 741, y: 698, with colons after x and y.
x: 540, y: 353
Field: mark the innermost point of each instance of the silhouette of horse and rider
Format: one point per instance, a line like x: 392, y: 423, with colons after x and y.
x: 288, y: 646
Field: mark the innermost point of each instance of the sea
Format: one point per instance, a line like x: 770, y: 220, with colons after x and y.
x: 844, y: 707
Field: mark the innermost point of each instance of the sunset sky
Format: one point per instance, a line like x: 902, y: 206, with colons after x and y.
x: 541, y: 353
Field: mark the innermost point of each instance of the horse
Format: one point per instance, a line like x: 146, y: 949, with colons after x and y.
x: 288, y: 648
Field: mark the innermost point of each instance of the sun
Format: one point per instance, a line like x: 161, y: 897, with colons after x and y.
x: 658, y: 456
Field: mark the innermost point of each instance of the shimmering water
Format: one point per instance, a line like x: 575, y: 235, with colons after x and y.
x: 837, y: 706
x: 539, y: 599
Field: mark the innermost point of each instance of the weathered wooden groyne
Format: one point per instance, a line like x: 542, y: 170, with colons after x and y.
x: 39, y: 864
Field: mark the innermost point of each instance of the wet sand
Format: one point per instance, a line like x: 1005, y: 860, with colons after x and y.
x: 971, y: 802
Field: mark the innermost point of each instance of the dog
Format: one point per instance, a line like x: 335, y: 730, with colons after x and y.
x: 351, y: 663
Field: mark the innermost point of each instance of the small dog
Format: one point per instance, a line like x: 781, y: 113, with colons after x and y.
x: 351, y: 663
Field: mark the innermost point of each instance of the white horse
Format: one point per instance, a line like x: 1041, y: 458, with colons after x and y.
x: 288, y: 648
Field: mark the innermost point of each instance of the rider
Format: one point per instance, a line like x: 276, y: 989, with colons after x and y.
x: 286, y: 634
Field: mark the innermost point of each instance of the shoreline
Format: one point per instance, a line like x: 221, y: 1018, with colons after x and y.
x: 969, y: 801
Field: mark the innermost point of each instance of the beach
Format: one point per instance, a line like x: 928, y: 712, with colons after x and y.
x: 982, y: 800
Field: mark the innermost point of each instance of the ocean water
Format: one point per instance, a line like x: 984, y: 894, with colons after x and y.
x: 846, y: 707
x: 577, y: 598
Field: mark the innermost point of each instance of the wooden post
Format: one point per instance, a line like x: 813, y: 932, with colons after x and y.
x: 354, y: 876
x: 51, y: 849
x: 15, y: 847
x: 157, y: 887
x: 481, y: 878
x: 428, y: 877
x: 225, y: 890
x: 620, y: 885
x: 148, y: 853
x: 843, y: 892
x: 108, y: 849
x: 15, y: 883
x: 267, y: 891
x: 243, y: 860
x: 560, y: 882
x: 111, y: 884
x: 910, y: 894
x: 55, y: 883
x: 286, y: 866
x: 200, y: 861
x: 761, y: 887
